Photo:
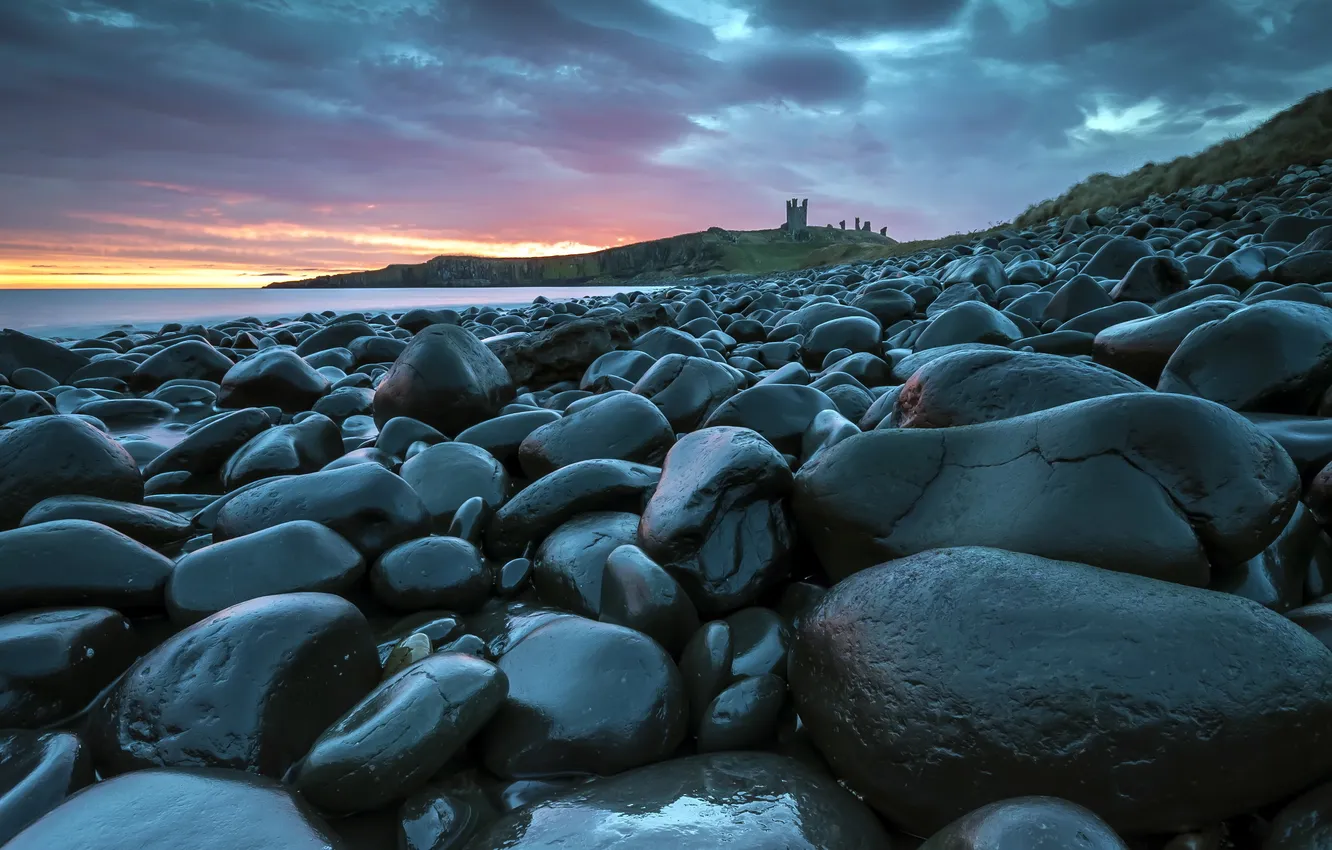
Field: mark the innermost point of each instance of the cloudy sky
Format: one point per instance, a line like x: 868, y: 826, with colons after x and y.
x: 225, y: 141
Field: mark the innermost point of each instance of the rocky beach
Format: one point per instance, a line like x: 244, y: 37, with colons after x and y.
x: 1013, y: 542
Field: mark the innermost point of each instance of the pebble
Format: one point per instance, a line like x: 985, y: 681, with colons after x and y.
x: 1020, y: 540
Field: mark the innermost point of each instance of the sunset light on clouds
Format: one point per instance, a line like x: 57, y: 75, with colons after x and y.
x: 187, y: 142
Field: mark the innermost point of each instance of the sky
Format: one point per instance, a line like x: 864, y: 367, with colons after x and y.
x: 238, y: 142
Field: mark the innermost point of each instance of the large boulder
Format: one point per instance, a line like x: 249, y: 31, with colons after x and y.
x: 1157, y: 706
x: 20, y: 351
x: 618, y: 426
x: 192, y: 358
x: 181, y: 810
x: 274, y: 376
x: 717, y: 521
x: 1142, y: 347
x: 1273, y: 357
x: 61, y: 456
x: 968, y: 387
x: 249, y: 688
x: 75, y: 562
x: 1148, y: 483
x: 565, y: 351
x: 37, y: 772
x: 445, y: 378
x: 755, y: 801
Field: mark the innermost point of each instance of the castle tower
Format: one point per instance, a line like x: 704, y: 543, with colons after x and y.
x: 797, y: 215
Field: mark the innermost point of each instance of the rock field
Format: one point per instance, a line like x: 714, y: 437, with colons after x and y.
x: 1016, y: 544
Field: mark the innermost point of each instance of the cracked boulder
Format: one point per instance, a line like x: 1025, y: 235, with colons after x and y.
x: 1155, y: 484
x: 968, y: 387
x: 1158, y: 707
x: 717, y: 521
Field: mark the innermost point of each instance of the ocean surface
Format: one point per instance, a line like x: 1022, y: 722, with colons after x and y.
x: 91, y: 312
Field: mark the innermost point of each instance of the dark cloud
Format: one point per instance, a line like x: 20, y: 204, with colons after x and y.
x: 803, y: 74
x: 853, y: 17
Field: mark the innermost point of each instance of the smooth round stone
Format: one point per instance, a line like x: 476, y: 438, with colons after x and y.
x: 970, y: 321
x: 369, y: 506
x: 446, y: 378
x: 1009, y: 646
x: 758, y: 801
x: 207, y: 447
x: 304, y: 446
x: 367, y: 455
x: 1141, y: 348
x: 37, y: 772
x: 53, y: 662
x: 717, y: 520
x: 121, y: 412
x: 431, y: 572
x: 759, y: 639
x: 1305, y: 823
x: 293, y: 557
x: 781, y: 413
x: 585, y: 697
x: 274, y: 376
x: 1027, y: 823
x: 970, y: 387
x: 1151, y: 279
x: 23, y: 405
x: 433, y: 820
x: 346, y: 402
x: 503, y: 624
x: 335, y: 335
x: 568, y: 567
x: 1273, y: 357
x: 705, y: 667
x: 152, y: 527
x: 687, y: 389
x: 249, y: 688
x: 401, y: 431
x: 503, y: 435
x: 61, y: 456
x: 446, y: 475
x: 621, y: 426
x: 181, y: 810
x: 32, y: 379
x: 640, y: 595
x: 401, y: 734
x: 807, y: 318
x: 851, y: 333
x: 74, y: 562
x: 743, y: 716
x: 188, y: 359
x: 513, y: 577
x: 1150, y: 483
x: 545, y: 504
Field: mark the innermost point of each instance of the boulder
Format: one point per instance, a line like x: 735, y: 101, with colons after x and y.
x: 988, y: 657
x: 273, y: 376
x: 618, y: 426
x: 61, y: 456
x: 1150, y: 483
x: 37, y: 772
x: 1027, y: 823
x: 445, y: 378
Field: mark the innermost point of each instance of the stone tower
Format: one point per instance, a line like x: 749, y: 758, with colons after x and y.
x: 797, y: 215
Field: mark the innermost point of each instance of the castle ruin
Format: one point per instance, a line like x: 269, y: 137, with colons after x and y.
x: 797, y: 216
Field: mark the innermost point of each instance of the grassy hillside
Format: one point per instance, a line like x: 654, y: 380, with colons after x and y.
x: 714, y: 251
x: 1301, y: 135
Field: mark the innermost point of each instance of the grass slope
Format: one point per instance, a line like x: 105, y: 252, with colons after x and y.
x: 1300, y: 135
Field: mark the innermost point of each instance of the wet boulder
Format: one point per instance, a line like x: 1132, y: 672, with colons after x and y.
x: 1116, y: 257
x: 618, y: 426
x: 446, y: 378
x: 21, y: 351
x: 1005, y: 648
x: 545, y: 504
x: 1147, y: 483
x: 299, y: 447
x: 638, y: 594
x: 74, y: 562
x: 980, y: 385
x: 193, y: 359
x: 970, y: 321
x: 781, y: 413
x: 293, y: 557
x: 1027, y: 823
x: 568, y: 566
x: 368, y: 505
x: 209, y: 445
x: 448, y: 474
x: 1142, y: 347
x: 37, y: 772
x: 153, y: 527
x: 248, y: 688
x: 61, y: 456
x: 336, y: 335
x: 584, y: 697
x: 392, y: 741
x: 181, y: 810
x: 1150, y: 279
x: 717, y: 521
x: 687, y: 389
x: 752, y: 800
x: 275, y: 376
x: 54, y: 661
x: 1273, y: 357
x: 431, y: 573
x: 855, y: 333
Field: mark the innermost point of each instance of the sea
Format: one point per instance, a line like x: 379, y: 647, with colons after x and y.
x: 79, y: 313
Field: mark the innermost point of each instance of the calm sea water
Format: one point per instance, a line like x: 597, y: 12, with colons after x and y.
x: 90, y: 312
